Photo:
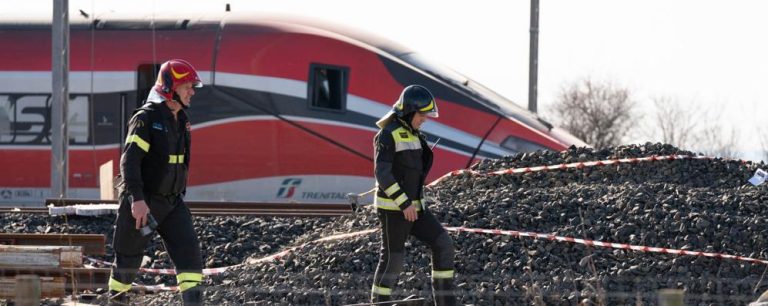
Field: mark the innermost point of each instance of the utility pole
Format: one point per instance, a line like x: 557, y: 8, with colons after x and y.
x: 533, y: 65
x: 59, y: 98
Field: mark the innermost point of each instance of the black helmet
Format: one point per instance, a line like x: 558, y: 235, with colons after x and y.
x: 415, y: 98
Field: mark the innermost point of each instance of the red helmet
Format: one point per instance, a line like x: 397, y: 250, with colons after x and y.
x: 174, y: 73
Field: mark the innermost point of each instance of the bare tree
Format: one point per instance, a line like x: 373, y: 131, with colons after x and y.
x: 715, y: 140
x: 693, y: 128
x: 601, y: 114
x: 676, y: 125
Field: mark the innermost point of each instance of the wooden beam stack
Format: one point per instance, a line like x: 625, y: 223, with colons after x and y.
x: 59, y: 267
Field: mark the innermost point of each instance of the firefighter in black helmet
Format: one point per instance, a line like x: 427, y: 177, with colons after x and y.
x: 154, y: 167
x: 402, y: 162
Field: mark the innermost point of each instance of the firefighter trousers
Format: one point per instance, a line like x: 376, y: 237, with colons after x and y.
x: 174, y: 224
x: 395, y: 230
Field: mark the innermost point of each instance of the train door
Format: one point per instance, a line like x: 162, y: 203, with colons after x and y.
x: 145, y: 79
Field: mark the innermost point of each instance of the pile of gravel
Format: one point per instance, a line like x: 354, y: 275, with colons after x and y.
x: 694, y: 204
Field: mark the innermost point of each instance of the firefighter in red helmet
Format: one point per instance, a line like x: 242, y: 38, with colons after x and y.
x: 402, y: 162
x: 173, y: 74
x: 154, y: 167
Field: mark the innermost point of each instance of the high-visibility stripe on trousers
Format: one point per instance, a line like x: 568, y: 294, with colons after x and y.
x: 442, y: 274
x: 188, y: 280
x: 176, y: 229
x: 395, y: 231
x: 115, y: 285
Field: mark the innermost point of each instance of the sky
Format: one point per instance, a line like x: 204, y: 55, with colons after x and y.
x: 704, y: 54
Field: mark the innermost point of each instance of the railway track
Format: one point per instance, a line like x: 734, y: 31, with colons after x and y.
x: 93, y: 244
x: 77, y: 279
x: 205, y: 208
x: 28, y: 210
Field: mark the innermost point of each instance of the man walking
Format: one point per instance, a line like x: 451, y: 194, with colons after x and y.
x: 154, y: 167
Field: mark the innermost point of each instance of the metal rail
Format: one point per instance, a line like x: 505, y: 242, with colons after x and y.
x: 409, y: 301
x: 93, y: 244
x: 270, y: 209
x: 27, y: 210
x: 206, y: 208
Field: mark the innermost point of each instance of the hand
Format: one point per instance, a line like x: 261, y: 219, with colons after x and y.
x: 410, y: 213
x: 139, y: 211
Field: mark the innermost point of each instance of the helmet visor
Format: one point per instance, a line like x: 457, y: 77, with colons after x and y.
x: 430, y: 110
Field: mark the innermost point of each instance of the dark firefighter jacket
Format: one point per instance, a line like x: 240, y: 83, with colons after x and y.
x: 402, y: 162
x: 156, y: 155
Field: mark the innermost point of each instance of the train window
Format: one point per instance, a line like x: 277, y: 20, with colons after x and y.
x: 145, y: 79
x: 79, y: 120
x: 517, y: 144
x: 327, y: 88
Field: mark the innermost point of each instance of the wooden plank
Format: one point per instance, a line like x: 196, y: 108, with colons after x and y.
x: 85, y: 278
x: 12, y: 256
x: 93, y: 244
x: 41, y: 256
x: 27, y: 290
x: 71, y: 256
x: 50, y: 287
x: 106, y: 188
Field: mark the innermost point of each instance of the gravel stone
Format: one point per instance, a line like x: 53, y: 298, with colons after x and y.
x: 698, y: 205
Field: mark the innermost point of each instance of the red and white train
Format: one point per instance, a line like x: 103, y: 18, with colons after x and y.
x: 287, y: 112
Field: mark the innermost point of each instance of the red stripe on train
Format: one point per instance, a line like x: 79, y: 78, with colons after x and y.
x: 228, y: 152
x: 32, y: 168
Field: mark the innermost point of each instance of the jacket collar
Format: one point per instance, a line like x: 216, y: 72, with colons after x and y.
x: 167, y: 113
x: 407, y: 126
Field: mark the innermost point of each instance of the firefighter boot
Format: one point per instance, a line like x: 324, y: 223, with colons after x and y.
x: 193, y: 296
x: 118, y: 298
x: 381, y: 294
x: 442, y: 289
x: 442, y: 270
x: 376, y: 298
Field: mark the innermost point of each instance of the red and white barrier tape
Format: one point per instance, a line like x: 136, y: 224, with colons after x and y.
x: 623, y: 246
x: 210, y: 271
x: 577, y: 165
x: 279, y: 255
x: 276, y: 256
x: 153, y: 288
x: 213, y: 271
x: 550, y: 237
